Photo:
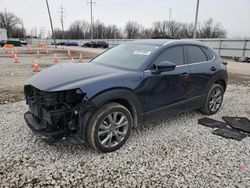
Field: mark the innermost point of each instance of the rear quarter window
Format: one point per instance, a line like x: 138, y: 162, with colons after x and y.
x: 195, y: 54
x: 208, y: 53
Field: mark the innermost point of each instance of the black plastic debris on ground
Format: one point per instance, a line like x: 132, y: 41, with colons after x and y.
x: 229, y: 133
x: 208, y: 122
x: 240, y: 123
x: 235, y: 127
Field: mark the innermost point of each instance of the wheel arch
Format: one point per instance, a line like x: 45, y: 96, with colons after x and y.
x: 122, y: 96
x: 219, y: 78
x: 222, y: 83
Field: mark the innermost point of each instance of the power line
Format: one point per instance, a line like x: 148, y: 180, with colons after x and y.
x: 91, y: 17
x: 61, y: 16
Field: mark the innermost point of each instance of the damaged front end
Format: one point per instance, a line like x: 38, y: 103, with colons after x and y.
x: 55, y: 114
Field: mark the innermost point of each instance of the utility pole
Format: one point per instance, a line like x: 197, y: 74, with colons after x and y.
x: 61, y: 12
x: 35, y: 32
x: 53, y: 34
x: 5, y: 11
x: 91, y: 17
x: 42, y: 32
x: 170, y: 14
x: 196, y: 19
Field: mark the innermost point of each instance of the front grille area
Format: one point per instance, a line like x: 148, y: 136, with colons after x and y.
x: 52, y: 100
x: 53, y: 110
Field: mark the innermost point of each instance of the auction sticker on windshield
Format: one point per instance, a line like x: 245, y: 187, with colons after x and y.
x: 141, y: 52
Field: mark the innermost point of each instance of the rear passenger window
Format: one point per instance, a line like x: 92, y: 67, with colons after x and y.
x: 173, y: 55
x: 208, y: 53
x: 195, y: 54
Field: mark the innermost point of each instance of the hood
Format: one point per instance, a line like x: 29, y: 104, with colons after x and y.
x: 71, y: 76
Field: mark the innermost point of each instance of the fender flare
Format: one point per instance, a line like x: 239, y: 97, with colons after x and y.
x: 217, y: 77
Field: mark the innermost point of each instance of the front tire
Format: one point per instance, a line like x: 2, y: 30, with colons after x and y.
x: 214, y: 100
x: 109, y: 127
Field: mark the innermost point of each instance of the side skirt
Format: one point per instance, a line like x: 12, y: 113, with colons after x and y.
x: 179, y: 107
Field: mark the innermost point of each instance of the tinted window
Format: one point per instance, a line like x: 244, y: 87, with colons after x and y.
x: 172, y: 54
x: 208, y: 53
x: 129, y: 56
x: 195, y: 54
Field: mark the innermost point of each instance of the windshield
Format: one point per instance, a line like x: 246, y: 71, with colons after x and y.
x: 129, y: 56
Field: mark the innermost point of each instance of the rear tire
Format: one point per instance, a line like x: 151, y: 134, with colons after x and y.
x: 213, y: 100
x: 109, y: 127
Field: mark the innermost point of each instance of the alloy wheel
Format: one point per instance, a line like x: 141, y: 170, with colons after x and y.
x: 113, y: 129
x: 215, y: 99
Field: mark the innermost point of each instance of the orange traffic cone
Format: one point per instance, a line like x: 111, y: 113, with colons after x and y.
x: 12, y: 55
x: 6, y: 50
x: 81, y: 58
x: 55, y: 59
x: 69, y: 54
x: 16, y: 51
x: 16, y: 59
x: 38, y: 54
x: 36, y: 66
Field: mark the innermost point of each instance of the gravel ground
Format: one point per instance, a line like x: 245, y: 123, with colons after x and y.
x: 176, y: 152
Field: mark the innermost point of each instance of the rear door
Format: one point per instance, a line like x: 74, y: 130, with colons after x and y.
x: 201, y: 68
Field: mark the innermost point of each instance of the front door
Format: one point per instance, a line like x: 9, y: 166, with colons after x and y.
x: 159, y: 91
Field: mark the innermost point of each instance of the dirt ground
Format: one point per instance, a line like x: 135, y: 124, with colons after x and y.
x: 14, y: 75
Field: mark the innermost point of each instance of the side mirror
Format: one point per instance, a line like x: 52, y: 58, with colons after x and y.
x: 163, y: 66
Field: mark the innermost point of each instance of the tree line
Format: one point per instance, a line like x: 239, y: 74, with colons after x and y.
x: 80, y: 29
x: 13, y: 25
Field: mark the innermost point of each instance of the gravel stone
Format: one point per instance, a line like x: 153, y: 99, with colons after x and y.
x: 175, y: 152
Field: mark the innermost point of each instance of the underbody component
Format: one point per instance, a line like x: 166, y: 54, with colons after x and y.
x: 241, y: 123
x: 229, y: 133
x: 208, y: 122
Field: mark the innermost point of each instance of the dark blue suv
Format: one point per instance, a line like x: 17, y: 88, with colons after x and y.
x: 101, y: 101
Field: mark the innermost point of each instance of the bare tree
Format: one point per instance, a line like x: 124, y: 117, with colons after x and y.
x: 166, y: 29
x: 173, y: 28
x: 18, y: 32
x: 79, y: 30
x: 132, y: 30
x: 13, y: 24
x: 210, y: 29
x: 186, y: 30
x: 160, y: 28
x: 58, y: 33
x: 112, y: 32
x: 146, y: 33
x: 99, y: 30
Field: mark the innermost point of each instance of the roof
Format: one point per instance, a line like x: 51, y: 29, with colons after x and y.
x: 162, y: 42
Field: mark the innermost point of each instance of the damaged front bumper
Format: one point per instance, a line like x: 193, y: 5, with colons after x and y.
x: 55, y: 115
x: 40, y: 130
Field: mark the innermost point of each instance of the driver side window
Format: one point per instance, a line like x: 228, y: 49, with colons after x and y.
x: 172, y: 54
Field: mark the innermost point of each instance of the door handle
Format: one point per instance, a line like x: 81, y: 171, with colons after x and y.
x: 213, y: 69
x: 184, y: 74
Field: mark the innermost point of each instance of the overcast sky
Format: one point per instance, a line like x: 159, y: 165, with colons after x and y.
x: 234, y: 15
